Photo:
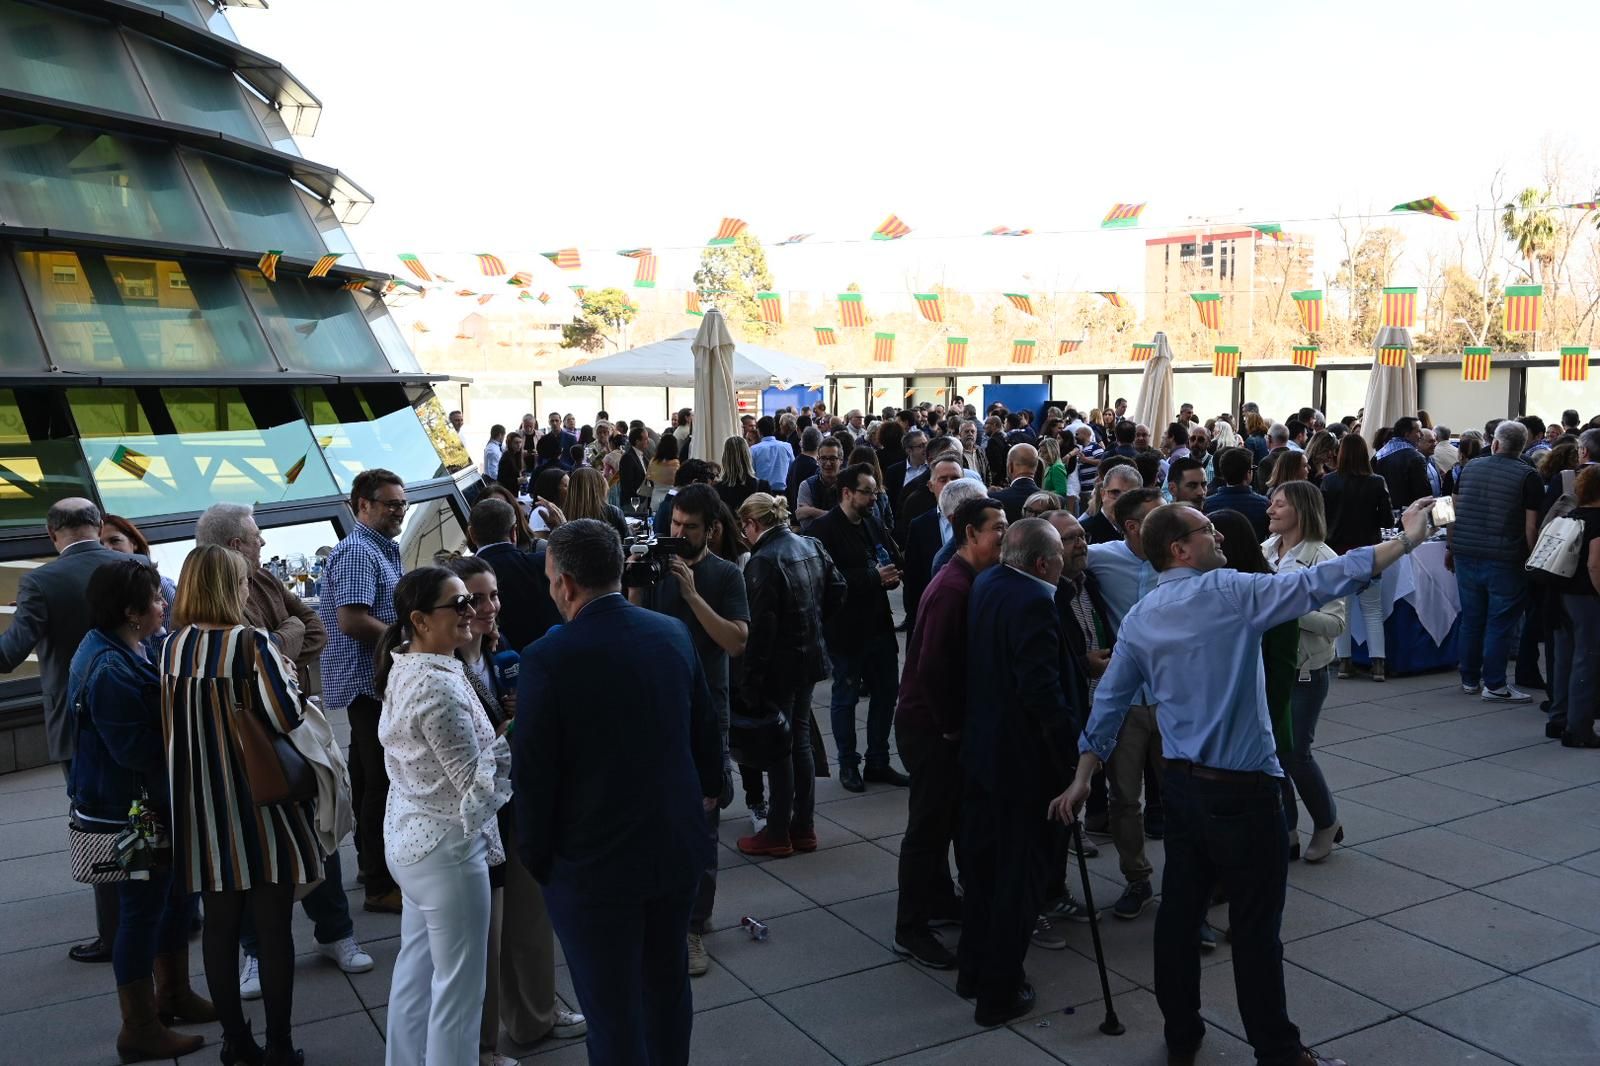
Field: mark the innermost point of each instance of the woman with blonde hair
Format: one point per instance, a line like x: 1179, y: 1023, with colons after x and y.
x: 1290, y: 466
x: 1322, y: 455
x: 1055, y: 471
x: 738, y: 480
x: 216, y: 672
x: 586, y: 498
x: 1224, y: 435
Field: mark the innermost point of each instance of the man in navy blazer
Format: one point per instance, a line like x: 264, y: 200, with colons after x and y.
x: 1019, y: 725
x: 526, y: 611
x: 612, y: 782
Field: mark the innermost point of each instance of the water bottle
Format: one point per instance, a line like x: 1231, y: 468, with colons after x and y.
x: 883, y: 556
x: 756, y: 929
x: 649, y: 526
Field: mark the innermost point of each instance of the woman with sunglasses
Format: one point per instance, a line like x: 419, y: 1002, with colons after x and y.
x: 449, y: 773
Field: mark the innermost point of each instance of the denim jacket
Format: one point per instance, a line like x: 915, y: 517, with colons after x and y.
x: 121, y: 747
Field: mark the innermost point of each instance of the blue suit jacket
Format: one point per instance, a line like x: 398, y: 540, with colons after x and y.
x: 616, y: 741
x: 922, y: 544
x: 1019, y: 731
x: 526, y: 609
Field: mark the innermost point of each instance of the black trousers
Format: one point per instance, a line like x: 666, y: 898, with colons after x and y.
x: 1005, y: 859
x: 370, y: 794
x: 932, y: 821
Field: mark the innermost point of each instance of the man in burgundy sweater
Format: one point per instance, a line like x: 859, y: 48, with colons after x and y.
x: 928, y: 732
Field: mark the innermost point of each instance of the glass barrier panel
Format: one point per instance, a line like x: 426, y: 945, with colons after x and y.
x: 1459, y: 405
x: 39, y: 458
x: 1547, y: 396
x: 254, y: 209
x: 12, y: 572
x: 1347, y: 392
x: 61, y: 56
x: 194, y: 91
x: 436, y: 423
x: 431, y: 534
x: 1279, y: 392
x: 362, y: 427
x: 314, y: 325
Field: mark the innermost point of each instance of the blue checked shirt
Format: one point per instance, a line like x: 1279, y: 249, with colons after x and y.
x: 362, y: 570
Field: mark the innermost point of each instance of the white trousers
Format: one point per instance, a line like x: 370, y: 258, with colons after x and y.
x: 436, y: 995
x: 1370, y: 603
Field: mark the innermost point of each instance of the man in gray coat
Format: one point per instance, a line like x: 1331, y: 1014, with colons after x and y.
x: 50, y: 616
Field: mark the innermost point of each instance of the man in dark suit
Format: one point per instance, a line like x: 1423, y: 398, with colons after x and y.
x: 925, y: 535
x: 611, y: 805
x: 51, y: 617
x: 1116, y: 480
x: 897, y: 475
x: 526, y: 610
x: 1402, y: 465
x: 631, y: 472
x: 1022, y: 463
x: 1017, y: 735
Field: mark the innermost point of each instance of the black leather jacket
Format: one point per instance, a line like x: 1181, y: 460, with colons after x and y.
x: 792, y: 585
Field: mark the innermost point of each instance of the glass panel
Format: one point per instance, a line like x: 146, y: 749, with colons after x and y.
x: 1124, y: 385
x: 886, y: 392
x: 436, y: 423
x: 192, y: 91
x: 969, y: 389
x: 252, y: 208
x: 387, y: 331
x: 1022, y: 379
x: 178, y: 9
x: 53, y: 54
x: 431, y: 533
x: 1277, y: 392
x: 11, y: 574
x: 271, y: 120
x: 314, y: 326
x: 1460, y: 405
x: 303, y: 538
x: 583, y: 401
x: 1210, y: 394
x: 109, y: 312
x: 331, y: 229
x: 173, y: 451
x: 848, y: 393
x: 1082, y: 391
x: 77, y: 179
x: 19, y: 340
x: 491, y: 403
x: 928, y: 389
x: 1347, y: 392
x: 39, y: 459
x: 364, y: 427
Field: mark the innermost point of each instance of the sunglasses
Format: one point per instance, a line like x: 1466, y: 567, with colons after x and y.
x: 459, y: 604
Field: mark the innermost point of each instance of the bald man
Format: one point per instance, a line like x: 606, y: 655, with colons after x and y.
x: 1022, y: 465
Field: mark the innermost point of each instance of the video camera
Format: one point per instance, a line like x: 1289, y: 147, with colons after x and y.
x: 646, y: 561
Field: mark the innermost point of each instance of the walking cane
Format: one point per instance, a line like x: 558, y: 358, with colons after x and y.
x: 1111, y: 1026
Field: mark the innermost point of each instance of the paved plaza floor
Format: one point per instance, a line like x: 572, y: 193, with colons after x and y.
x: 1460, y: 923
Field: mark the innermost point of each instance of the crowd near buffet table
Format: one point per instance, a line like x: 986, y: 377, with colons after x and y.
x: 1421, y: 610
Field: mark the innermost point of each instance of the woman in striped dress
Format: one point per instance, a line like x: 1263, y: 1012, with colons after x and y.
x: 215, y: 668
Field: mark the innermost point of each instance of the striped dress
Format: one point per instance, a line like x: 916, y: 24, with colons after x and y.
x: 223, y: 842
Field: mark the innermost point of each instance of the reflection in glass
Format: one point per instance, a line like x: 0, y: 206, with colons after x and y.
x: 360, y: 427
x: 178, y: 9
x: 283, y: 542
x: 390, y: 339
x: 431, y: 534
x: 195, y: 92
x: 172, y: 451
x: 62, y: 56
x: 78, y: 179
x: 253, y: 209
x: 111, y: 312
x: 12, y: 572
x: 39, y: 460
x: 19, y: 341
x: 436, y: 423
x: 314, y: 324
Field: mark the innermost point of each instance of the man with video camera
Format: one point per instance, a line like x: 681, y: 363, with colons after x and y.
x: 682, y: 578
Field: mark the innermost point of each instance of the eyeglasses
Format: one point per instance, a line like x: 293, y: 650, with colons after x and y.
x: 1209, y: 529
x: 459, y: 604
x: 389, y: 505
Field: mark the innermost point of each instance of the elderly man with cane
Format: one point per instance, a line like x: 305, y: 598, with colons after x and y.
x: 1223, y: 794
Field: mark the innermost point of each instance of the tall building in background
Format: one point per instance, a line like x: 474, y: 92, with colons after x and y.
x: 147, y: 162
x: 1249, y: 270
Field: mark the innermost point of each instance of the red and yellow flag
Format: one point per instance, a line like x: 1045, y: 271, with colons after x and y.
x: 691, y: 303
x: 1112, y: 298
x: 291, y: 475
x: 1428, y: 205
x: 491, y: 265
x: 1208, y: 305
x: 521, y: 279
x: 771, y: 304
x: 1021, y: 301
x: 825, y: 335
x: 413, y: 264
x: 1392, y: 355
x: 1122, y: 216
x: 634, y: 253
x: 1475, y: 364
x: 1068, y: 347
x: 852, y: 312
x: 1306, y: 355
x: 929, y: 306
x: 730, y: 229
x: 354, y: 286
x: 1022, y: 351
x: 324, y: 263
x: 486, y: 297
x: 564, y: 259
x: 883, y: 347
x: 1225, y: 361
x: 1524, y: 304
x: 1400, y: 306
x: 891, y: 229
x: 644, y: 275
x: 1309, y: 303
x: 1143, y: 352
x: 577, y: 290
x: 955, y: 351
x: 1006, y: 231
x: 1575, y: 364
x: 466, y: 292
x: 268, y: 264
x: 137, y: 464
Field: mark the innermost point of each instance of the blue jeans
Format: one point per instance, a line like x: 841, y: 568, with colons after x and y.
x: 326, y: 905
x: 1493, y: 595
x: 153, y: 919
x: 1299, y: 765
x: 875, y: 666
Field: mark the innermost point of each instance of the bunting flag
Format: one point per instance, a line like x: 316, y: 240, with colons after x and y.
x: 1122, y: 216
x: 491, y: 265
x: 883, y: 347
x: 929, y: 306
x: 544, y: 297
x: 1068, y: 347
x: 1143, y: 352
x: 1400, y: 307
x: 1225, y: 361
x: 466, y: 292
x: 634, y: 253
x: 1113, y: 299
x: 1006, y: 231
x: 644, y: 275
x: 1575, y: 364
x: 578, y: 290
x: 291, y: 475
x: 691, y: 303
x: 522, y: 297
x: 852, y: 312
x: 354, y: 286
x: 565, y: 259
x: 268, y: 264
x: 1021, y: 301
x: 730, y: 229
x: 1428, y: 205
x: 955, y: 351
x: 892, y: 229
x: 1585, y: 205
x: 521, y: 279
x: 1022, y: 351
x: 138, y: 464
x: 771, y: 307
x: 1523, y: 306
x: 1273, y: 230
x: 826, y: 336
x: 1392, y: 355
x: 486, y: 297
x: 795, y: 238
x: 1209, y: 306
x: 419, y: 327
x: 1306, y: 355
x: 413, y: 264
x: 1309, y: 303
x: 306, y: 329
x: 1475, y: 364
x: 324, y: 263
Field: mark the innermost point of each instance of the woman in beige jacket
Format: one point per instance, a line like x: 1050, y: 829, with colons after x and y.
x: 1298, y: 529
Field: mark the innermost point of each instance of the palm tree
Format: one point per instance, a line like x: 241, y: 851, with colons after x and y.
x: 1530, y: 224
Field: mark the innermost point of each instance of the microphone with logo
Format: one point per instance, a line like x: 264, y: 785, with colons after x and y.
x: 506, y: 665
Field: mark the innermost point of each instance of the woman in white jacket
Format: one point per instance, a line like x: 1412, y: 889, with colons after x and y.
x: 449, y: 772
x: 1298, y: 529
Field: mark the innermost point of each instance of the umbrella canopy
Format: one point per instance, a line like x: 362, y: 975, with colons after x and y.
x: 1154, y: 406
x: 1391, y: 390
x: 671, y: 362
x: 716, y: 408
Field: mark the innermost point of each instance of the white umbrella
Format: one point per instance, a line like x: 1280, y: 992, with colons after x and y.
x: 671, y: 363
x: 1154, y: 406
x: 1391, y: 390
x: 716, y: 408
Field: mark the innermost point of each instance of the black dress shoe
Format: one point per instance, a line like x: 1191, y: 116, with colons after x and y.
x: 924, y: 947
x: 886, y: 775
x: 1155, y: 828
x: 93, y: 951
x: 850, y: 779
x: 1555, y: 729
x: 1020, y: 1004
x: 1573, y: 740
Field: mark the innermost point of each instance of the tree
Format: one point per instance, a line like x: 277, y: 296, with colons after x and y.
x: 1363, y: 275
x: 732, y: 274
x: 1530, y: 225
x: 603, y: 315
x: 1465, y: 317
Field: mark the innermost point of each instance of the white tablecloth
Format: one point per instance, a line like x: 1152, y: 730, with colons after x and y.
x: 1422, y: 581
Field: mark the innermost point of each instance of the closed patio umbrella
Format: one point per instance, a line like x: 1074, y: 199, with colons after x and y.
x: 1154, y: 406
x: 1391, y: 390
x: 716, y: 407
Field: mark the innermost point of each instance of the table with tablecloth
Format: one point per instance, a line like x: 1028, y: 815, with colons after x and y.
x: 1421, y: 609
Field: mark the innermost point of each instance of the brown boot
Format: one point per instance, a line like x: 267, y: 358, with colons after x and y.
x: 1377, y: 670
x: 175, y: 1000
x: 142, y: 1035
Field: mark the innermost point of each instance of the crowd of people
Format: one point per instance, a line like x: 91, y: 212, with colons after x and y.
x: 1060, y: 573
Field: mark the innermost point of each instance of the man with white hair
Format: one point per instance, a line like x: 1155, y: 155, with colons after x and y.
x: 1445, y: 453
x: 1277, y: 444
x: 953, y: 496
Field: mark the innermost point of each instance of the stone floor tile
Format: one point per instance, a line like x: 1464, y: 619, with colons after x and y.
x: 717, y: 987
x: 33, y: 923
x: 1305, y: 915
x: 1521, y: 1021
x: 875, y: 916
x: 81, y: 1031
x: 1362, y: 883
x: 1422, y: 800
x: 1531, y: 833
x: 891, y: 843
x: 1389, y: 752
x: 1452, y: 857
x: 1342, y: 773
x: 992, y: 1045
x: 1379, y: 717
x: 1484, y: 778
x: 1552, y: 760
x: 1555, y: 892
x: 908, y: 1011
x: 36, y: 875
x: 875, y: 814
x: 1492, y: 931
x: 752, y: 890
x: 1589, y: 864
x: 836, y: 874
x: 1330, y: 732
x: 36, y: 803
x: 1480, y: 736
x: 1322, y: 1009
x: 349, y: 1038
x: 34, y: 780
x: 1388, y: 965
x: 801, y: 949
x: 1362, y: 823
x: 1408, y: 1041
x: 373, y: 986
x: 563, y: 1053
x: 749, y: 1034
x: 1577, y: 975
x: 39, y: 836
x: 1076, y: 1038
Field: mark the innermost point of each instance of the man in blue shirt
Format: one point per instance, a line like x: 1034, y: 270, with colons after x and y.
x: 1223, y: 785
x: 770, y: 456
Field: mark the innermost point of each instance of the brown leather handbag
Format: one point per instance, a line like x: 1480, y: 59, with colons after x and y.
x: 274, y: 769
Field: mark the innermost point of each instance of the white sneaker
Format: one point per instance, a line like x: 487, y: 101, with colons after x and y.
x: 699, y: 961
x: 250, y: 979
x: 1471, y: 690
x: 1505, y: 695
x: 348, y: 954
x: 758, y: 817
x: 569, y: 1025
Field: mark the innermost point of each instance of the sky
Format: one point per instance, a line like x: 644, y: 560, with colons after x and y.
x: 514, y: 127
